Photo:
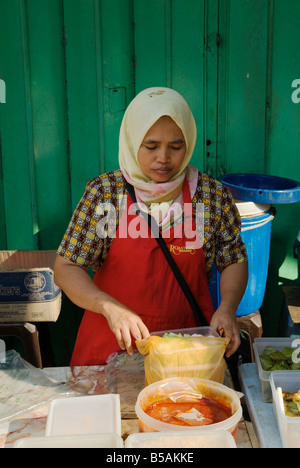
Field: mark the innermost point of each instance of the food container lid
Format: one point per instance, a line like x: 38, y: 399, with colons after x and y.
x: 92, y: 414
x: 181, y: 439
x: 251, y: 209
x: 72, y: 441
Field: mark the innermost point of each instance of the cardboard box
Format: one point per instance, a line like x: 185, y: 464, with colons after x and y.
x: 27, y: 290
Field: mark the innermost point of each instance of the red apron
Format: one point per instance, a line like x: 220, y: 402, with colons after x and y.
x: 137, y: 274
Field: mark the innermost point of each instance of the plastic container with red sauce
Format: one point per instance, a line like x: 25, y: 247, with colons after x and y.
x: 183, y: 387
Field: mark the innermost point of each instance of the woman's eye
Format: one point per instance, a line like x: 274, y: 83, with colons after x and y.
x: 150, y: 147
x: 176, y: 147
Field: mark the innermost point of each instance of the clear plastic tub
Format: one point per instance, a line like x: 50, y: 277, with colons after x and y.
x: 214, y: 390
x: 289, y: 427
x: 192, y: 352
x: 72, y: 441
x: 259, y: 346
x: 181, y: 439
x: 93, y: 414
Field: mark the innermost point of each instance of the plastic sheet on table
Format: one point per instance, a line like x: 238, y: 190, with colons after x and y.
x: 24, y: 388
x: 125, y: 375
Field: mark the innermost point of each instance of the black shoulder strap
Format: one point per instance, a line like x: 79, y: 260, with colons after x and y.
x: 178, y: 275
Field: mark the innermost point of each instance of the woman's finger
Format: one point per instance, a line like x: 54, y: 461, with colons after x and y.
x: 126, y: 335
x: 233, y: 345
x: 119, y: 338
x: 143, y: 330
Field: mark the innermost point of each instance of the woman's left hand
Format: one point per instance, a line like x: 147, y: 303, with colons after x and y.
x: 233, y: 282
x: 225, y: 320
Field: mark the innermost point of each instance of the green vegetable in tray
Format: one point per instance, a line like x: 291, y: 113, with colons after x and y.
x: 266, y: 362
x: 291, y: 403
x: 295, y: 366
x: 287, y: 352
x: 273, y: 359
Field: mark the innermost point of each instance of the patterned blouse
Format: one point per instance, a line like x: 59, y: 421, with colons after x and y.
x: 84, y: 245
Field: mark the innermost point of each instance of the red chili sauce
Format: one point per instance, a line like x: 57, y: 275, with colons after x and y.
x: 166, y: 411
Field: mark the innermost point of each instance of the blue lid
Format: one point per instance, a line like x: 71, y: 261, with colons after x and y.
x: 260, y: 188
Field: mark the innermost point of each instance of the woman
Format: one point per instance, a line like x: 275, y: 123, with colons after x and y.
x: 134, y: 291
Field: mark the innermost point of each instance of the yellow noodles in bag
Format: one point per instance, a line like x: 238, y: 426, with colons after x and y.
x: 183, y: 356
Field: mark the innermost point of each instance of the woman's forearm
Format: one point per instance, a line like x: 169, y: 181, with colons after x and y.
x: 78, y: 285
x: 233, y: 283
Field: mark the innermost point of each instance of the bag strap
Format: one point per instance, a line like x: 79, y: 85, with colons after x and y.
x: 177, y: 273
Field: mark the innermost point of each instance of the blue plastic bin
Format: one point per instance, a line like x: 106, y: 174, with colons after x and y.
x: 266, y: 191
x: 256, y: 235
x: 260, y: 188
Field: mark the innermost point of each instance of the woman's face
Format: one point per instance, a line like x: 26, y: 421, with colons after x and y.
x: 162, y: 151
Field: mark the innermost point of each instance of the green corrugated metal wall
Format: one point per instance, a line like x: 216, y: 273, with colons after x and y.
x: 72, y: 66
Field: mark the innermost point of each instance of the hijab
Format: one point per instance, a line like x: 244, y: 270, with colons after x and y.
x: 141, y: 114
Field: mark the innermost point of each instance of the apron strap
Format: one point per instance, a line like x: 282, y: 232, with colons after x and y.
x: 177, y: 273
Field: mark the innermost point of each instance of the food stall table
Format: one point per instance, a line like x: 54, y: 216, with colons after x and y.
x: 123, y: 380
x: 261, y: 413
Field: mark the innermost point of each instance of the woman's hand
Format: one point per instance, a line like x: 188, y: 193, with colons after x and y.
x: 225, y: 320
x: 233, y: 282
x: 81, y: 289
x: 124, y: 323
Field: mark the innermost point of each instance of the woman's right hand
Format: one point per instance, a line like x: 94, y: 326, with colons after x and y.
x: 81, y: 289
x: 124, y: 323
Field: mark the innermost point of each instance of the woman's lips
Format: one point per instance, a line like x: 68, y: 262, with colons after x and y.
x: 163, y: 170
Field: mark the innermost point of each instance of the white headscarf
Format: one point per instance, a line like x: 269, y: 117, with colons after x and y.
x: 141, y: 114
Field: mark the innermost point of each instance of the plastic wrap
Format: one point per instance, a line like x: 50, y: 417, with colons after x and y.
x: 24, y: 388
x: 183, y: 356
x: 178, y: 390
x: 125, y: 376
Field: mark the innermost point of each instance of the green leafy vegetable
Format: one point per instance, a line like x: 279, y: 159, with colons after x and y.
x: 287, y: 352
x: 266, y: 362
x: 273, y: 359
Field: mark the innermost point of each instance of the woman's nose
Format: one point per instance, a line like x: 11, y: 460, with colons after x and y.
x: 163, y: 155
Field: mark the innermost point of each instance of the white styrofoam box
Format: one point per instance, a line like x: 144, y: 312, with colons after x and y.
x: 92, y: 414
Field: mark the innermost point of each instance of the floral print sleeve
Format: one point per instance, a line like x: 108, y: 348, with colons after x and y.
x: 83, y: 243
x: 230, y: 247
